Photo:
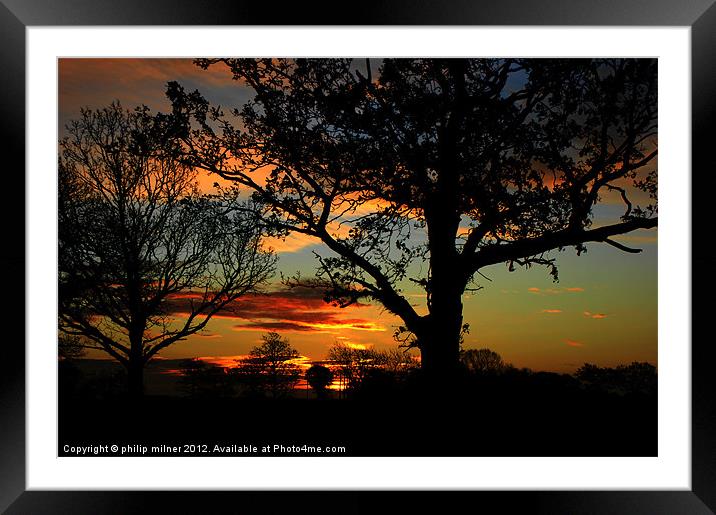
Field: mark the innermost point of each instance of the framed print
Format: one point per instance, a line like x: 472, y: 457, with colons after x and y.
x: 416, y: 253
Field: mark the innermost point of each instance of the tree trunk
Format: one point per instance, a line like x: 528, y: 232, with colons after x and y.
x: 135, y: 378
x: 135, y: 366
x: 440, y: 332
x: 440, y: 338
x: 440, y: 347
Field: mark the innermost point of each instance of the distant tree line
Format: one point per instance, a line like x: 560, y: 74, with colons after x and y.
x: 268, y: 371
x: 271, y: 370
x: 637, y: 377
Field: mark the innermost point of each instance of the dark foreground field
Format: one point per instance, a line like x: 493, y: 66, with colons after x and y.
x: 538, y: 417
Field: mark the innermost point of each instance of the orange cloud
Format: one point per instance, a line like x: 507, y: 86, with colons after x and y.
x: 548, y: 291
x: 314, y: 327
x: 186, y: 295
x: 293, y: 310
x: 356, y: 346
x: 573, y: 343
x: 231, y: 361
x: 209, y: 335
x: 95, y: 82
x: 596, y: 316
x: 551, y: 311
x: 554, y: 291
x: 294, y: 242
x: 138, y: 69
x: 223, y: 361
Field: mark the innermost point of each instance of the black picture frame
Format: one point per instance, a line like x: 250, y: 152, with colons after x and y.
x: 17, y: 15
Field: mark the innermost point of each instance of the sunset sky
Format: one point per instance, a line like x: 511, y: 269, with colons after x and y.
x: 602, y: 311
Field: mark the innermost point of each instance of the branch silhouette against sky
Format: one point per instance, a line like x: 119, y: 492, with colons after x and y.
x: 489, y: 160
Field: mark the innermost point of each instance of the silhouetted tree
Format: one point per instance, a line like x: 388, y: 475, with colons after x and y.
x: 489, y: 160
x: 204, y: 380
x: 355, y: 364
x: 319, y: 378
x: 482, y: 361
x: 270, y: 367
x: 632, y: 378
x: 139, y: 243
x: 395, y: 361
x: 638, y: 377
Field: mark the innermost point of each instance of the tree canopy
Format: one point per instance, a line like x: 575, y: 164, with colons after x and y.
x: 483, y: 361
x: 319, y: 378
x: 459, y: 164
x: 270, y: 367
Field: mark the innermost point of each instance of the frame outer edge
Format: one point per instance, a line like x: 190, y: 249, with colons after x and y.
x: 370, y: 12
x: 703, y: 408
x: 12, y: 109
x: 12, y: 260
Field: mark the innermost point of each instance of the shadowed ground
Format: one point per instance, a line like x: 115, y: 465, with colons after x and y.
x: 542, y: 415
